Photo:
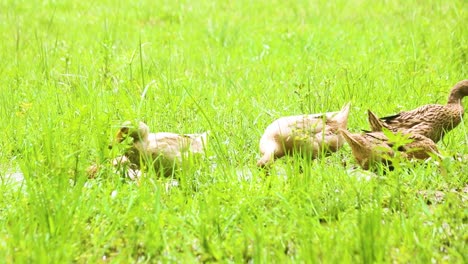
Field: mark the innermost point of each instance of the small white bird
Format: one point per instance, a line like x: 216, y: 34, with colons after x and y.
x: 308, y: 135
x: 164, y: 151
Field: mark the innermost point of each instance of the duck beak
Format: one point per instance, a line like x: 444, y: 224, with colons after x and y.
x: 118, y: 139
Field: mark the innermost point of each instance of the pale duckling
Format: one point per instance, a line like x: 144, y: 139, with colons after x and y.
x: 373, y: 148
x: 433, y: 120
x: 308, y: 135
x: 164, y: 151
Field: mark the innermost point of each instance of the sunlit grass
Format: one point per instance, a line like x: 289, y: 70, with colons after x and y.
x: 73, y: 71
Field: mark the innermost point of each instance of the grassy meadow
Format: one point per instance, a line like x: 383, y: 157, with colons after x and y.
x: 73, y: 71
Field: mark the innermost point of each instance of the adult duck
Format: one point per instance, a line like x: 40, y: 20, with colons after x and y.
x: 371, y: 148
x: 164, y: 151
x: 432, y: 120
x: 309, y: 135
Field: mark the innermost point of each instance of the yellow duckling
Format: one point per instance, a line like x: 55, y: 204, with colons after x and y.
x: 305, y: 134
x: 164, y: 151
x: 373, y: 148
x: 433, y: 120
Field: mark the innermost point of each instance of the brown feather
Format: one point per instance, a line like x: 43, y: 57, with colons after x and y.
x: 370, y: 149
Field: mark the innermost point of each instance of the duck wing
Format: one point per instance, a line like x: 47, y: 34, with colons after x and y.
x: 167, y: 145
x: 421, y: 147
x: 423, y: 113
x: 432, y: 121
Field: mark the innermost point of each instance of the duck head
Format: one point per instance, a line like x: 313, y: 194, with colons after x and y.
x: 128, y: 129
x: 459, y: 91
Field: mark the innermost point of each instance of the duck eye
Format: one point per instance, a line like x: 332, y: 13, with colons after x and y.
x: 124, y: 130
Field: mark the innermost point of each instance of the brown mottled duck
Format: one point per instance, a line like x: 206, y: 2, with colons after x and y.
x: 372, y: 148
x: 432, y: 120
x: 305, y: 134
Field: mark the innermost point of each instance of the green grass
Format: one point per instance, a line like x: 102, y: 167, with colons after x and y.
x: 72, y: 71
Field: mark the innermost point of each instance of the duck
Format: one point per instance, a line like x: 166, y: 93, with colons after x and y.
x: 433, y: 120
x: 310, y: 135
x: 164, y: 151
x: 372, y: 148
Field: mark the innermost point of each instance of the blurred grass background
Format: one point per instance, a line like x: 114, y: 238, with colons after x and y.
x: 73, y: 71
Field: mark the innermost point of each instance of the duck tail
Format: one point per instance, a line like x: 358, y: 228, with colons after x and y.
x: 201, y: 140
x: 351, y: 139
x: 375, y: 123
x: 204, y: 138
x: 198, y: 142
x: 342, y: 116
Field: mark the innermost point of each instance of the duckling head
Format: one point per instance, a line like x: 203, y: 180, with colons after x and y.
x: 459, y: 91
